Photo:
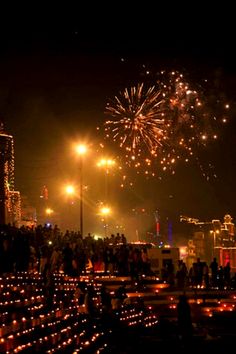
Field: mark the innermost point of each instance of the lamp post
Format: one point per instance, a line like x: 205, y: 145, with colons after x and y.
x: 81, y: 150
x: 69, y: 217
x: 107, y: 164
x: 105, y: 211
x: 48, y: 212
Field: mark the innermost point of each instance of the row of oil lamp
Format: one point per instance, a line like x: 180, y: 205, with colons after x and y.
x: 57, y: 336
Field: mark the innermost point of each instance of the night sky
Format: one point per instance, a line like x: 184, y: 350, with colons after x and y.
x: 55, y: 81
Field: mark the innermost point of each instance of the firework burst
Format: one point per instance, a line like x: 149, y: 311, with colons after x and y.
x: 158, y: 126
x: 193, y: 121
x: 138, y: 120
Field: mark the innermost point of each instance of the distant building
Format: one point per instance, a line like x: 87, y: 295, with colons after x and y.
x: 199, y: 241
x: 214, y: 239
x: 28, y: 213
x: 10, y: 205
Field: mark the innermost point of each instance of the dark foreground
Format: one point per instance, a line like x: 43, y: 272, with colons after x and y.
x: 35, y: 318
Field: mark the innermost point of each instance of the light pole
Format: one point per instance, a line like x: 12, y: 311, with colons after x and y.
x: 70, y: 191
x: 81, y: 150
x: 48, y: 212
x: 105, y: 211
x: 106, y: 164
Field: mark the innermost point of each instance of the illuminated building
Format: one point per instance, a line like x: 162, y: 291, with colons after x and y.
x: 10, y: 209
x: 214, y: 239
x: 229, y: 226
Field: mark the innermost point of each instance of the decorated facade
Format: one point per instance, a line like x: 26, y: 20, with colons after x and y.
x: 10, y: 205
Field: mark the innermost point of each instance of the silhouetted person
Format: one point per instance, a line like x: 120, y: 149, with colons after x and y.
x: 49, y: 287
x: 233, y: 281
x: 220, y: 278
x: 105, y: 299
x: 121, y: 293
x: 199, y: 272
x: 79, y: 293
x: 214, y: 271
x: 227, y: 274
x: 205, y: 273
x: 88, y: 302
x: 184, y: 318
x: 67, y: 258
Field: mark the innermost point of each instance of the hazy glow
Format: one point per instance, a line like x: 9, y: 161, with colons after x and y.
x: 105, y: 210
x: 81, y: 149
x: 49, y: 211
x: 106, y: 163
x: 70, y: 189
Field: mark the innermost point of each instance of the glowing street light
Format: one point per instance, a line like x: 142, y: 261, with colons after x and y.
x: 105, y: 211
x: 70, y: 190
x: 106, y: 164
x: 49, y: 211
x: 81, y: 150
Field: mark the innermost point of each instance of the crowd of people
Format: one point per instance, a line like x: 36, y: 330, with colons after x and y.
x: 47, y: 249
x: 26, y: 249
x: 201, y: 274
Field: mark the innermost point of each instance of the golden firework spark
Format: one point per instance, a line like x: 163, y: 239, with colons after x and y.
x: 157, y: 126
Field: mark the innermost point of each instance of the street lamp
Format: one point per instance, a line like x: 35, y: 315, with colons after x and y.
x: 48, y: 212
x: 70, y: 190
x: 107, y: 164
x: 81, y: 151
x: 70, y: 216
x: 105, y: 211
